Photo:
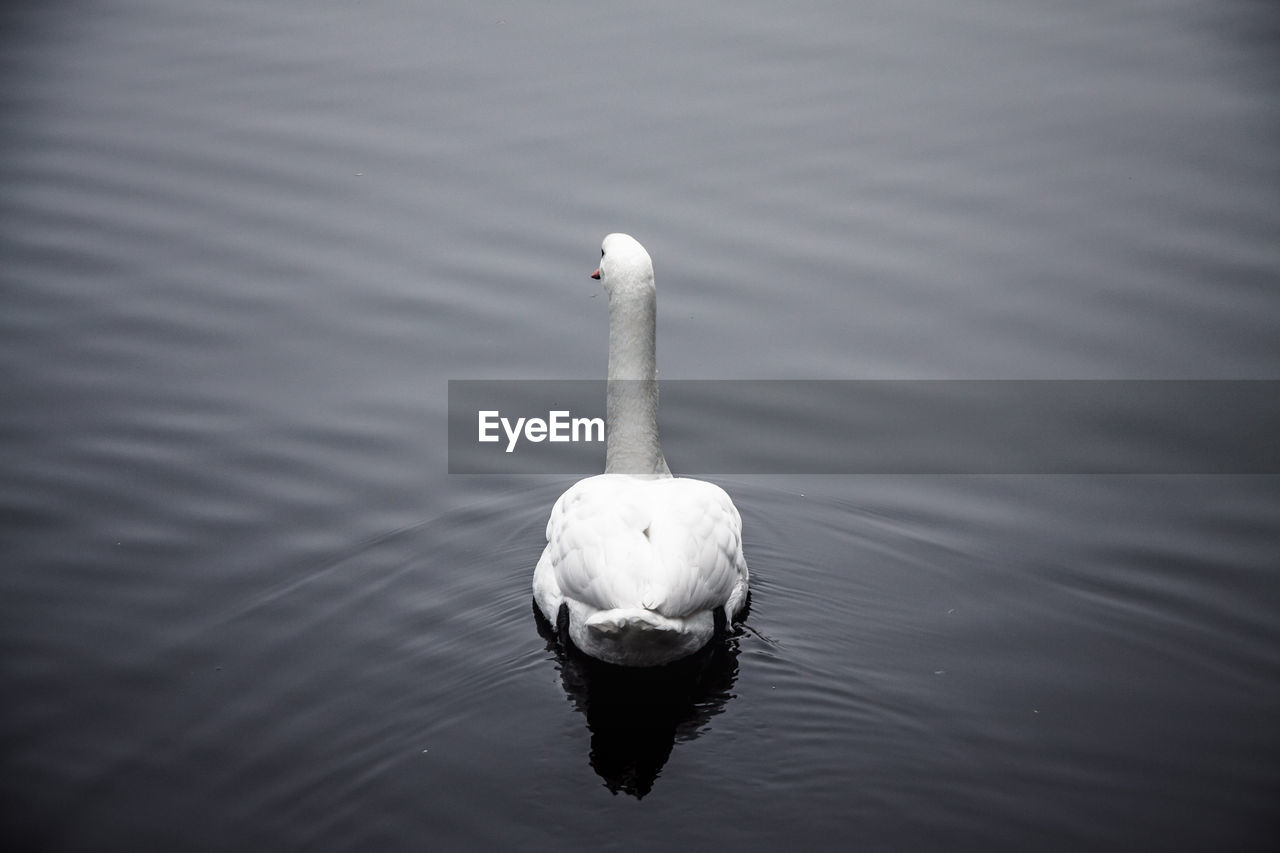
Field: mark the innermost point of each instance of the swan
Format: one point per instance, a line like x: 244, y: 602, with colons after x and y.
x: 642, y: 564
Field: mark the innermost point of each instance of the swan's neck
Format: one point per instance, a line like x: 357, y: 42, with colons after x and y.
x: 631, y: 435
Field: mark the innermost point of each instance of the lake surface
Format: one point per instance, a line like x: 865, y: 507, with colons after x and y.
x: 244, y: 248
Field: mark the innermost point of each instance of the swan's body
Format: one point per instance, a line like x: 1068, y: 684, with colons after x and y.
x: 641, y: 561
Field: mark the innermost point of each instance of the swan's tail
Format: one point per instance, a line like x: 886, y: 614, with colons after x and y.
x: 628, y: 620
x: 634, y: 636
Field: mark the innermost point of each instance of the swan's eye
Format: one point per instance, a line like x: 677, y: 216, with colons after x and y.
x: 602, y: 253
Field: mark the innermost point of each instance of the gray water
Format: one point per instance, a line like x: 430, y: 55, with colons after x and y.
x: 244, y: 247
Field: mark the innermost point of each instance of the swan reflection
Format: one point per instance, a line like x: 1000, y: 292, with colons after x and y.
x: 636, y: 716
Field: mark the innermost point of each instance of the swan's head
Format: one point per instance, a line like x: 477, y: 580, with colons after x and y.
x: 624, y: 265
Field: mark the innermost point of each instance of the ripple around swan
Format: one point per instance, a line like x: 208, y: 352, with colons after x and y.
x: 400, y: 660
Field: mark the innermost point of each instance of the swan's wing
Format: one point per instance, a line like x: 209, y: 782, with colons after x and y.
x: 669, y: 545
x: 697, y: 532
x: 595, y: 544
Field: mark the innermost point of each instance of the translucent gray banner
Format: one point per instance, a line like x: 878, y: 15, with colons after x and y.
x: 881, y: 427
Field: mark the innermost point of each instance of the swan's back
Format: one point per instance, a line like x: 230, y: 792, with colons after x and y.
x: 636, y: 558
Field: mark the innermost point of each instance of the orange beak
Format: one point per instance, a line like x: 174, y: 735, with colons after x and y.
x: 596, y: 275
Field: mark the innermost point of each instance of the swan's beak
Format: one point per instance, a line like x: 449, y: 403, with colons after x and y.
x: 596, y: 275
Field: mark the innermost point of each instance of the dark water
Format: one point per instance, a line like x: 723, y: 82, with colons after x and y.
x: 243, y: 248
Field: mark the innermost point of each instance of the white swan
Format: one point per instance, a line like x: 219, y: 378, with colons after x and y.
x: 643, y: 562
